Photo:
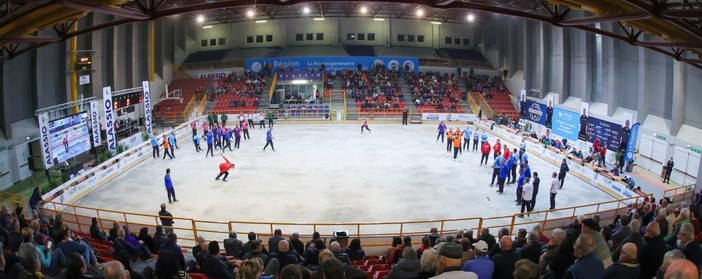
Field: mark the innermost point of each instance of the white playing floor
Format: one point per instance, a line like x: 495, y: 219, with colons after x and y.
x: 330, y: 173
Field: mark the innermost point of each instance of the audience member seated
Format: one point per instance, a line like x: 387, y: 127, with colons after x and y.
x: 51, y: 262
x: 297, y: 244
x: 331, y: 268
x: 283, y: 254
x: 435, y: 90
x: 408, y: 267
x: 355, y: 251
x: 171, y: 244
x: 214, y: 266
x: 335, y: 247
x: 257, y: 252
x: 167, y: 266
x: 233, y: 246
x: 95, y: 231
x: 136, y: 251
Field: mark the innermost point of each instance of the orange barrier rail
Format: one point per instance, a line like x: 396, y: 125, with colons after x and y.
x: 14, y: 200
x: 189, y: 107
x: 201, y: 106
x: 374, y: 234
x: 273, y: 83
x: 379, y: 112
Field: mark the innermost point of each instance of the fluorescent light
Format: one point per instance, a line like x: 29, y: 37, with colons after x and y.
x: 471, y: 17
x: 420, y: 12
x: 306, y: 10
x: 261, y: 21
x: 250, y: 13
x: 299, y: 81
x: 364, y: 9
x: 318, y: 18
x: 207, y: 27
x: 436, y: 22
x: 379, y: 19
x: 200, y: 19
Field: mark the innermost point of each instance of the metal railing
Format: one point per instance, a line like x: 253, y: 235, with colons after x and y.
x: 374, y: 233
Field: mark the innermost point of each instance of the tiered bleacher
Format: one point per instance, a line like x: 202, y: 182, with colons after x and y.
x: 206, y: 56
x: 238, y: 93
x: 294, y: 104
x: 461, y: 54
x: 377, y: 91
x: 357, y: 50
x: 435, y: 92
x: 493, y: 90
x: 172, y: 108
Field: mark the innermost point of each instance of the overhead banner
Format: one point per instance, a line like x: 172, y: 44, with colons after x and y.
x: 631, y: 142
x: 404, y: 64
x: 44, y: 140
x: 109, y: 119
x: 535, y: 112
x: 609, y: 133
x: 566, y: 123
x: 95, y: 123
x: 449, y: 117
x: 147, y: 106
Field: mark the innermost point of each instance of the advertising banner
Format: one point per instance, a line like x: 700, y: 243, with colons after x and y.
x: 464, y: 117
x: 95, y: 123
x: 631, y: 143
x: 535, y: 112
x: 147, y: 106
x: 566, y: 123
x: 44, y: 140
x: 609, y: 133
x: 109, y: 119
x: 333, y: 63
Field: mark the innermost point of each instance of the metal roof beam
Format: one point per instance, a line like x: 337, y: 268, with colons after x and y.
x: 607, y: 18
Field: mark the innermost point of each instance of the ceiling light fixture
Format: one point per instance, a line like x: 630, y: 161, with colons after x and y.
x: 379, y: 19
x: 318, y: 18
x: 471, y: 17
x: 261, y: 21
x: 364, y: 9
x: 250, y: 13
x: 306, y: 10
x: 436, y: 23
x: 207, y: 27
x: 200, y: 19
x: 420, y: 12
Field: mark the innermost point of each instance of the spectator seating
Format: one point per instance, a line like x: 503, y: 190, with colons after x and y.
x: 355, y: 50
x: 205, y: 56
x: 174, y: 108
x: 461, y: 54
x: 311, y: 110
x: 501, y: 103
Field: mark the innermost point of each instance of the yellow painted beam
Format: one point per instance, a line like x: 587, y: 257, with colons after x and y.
x: 72, y: 65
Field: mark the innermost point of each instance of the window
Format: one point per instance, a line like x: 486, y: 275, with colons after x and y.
x: 203, y: 43
x: 420, y: 38
x: 213, y: 42
x: 269, y: 38
x: 400, y: 37
x: 448, y: 40
x: 320, y: 37
x: 221, y: 41
x: 249, y: 39
x: 259, y: 38
x: 361, y: 36
x: 457, y: 41
x: 410, y: 38
x: 371, y: 36
x: 309, y: 36
x: 350, y: 36
x: 298, y: 37
x: 466, y: 41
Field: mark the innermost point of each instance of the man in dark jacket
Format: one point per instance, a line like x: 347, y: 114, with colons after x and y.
x: 233, y: 246
x: 488, y: 238
x: 407, y: 267
x: 587, y: 265
x: 213, y: 266
x: 248, y: 245
x: 627, y: 267
x: 256, y: 252
x: 635, y: 237
x: 297, y: 244
x: 335, y: 247
x: 159, y: 237
x: 326, y: 258
x: 651, y: 254
x: 166, y: 218
x: 284, y: 256
x: 497, y: 249
x: 273, y: 241
x: 504, y: 262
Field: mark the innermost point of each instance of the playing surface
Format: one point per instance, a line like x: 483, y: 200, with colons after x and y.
x: 331, y: 173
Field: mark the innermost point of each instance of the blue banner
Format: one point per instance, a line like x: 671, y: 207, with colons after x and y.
x: 566, y: 123
x: 631, y: 143
x: 535, y: 112
x: 609, y: 133
x: 256, y: 65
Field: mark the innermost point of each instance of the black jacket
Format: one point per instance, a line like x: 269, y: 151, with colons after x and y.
x: 622, y: 271
x: 504, y: 264
x: 654, y: 249
x: 213, y: 267
x: 234, y: 247
x: 532, y: 253
x: 405, y: 269
x: 284, y: 259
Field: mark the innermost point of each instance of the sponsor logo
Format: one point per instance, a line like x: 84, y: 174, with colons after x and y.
x: 535, y: 112
x: 45, y: 147
x: 616, y: 188
x: 627, y: 194
x: 378, y: 62
x: 213, y: 75
x: 256, y: 67
x: 394, y: 65
x: 147, y: 110
x: 96, y: 127
x: 409, y: 65
x: 109, y: 122
x: 538, y: 128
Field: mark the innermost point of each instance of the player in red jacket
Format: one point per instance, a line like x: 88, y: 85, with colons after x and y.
x: 485, y: 149
x: 224, y: 169
x: 496, y: 149
x: 505, y: 152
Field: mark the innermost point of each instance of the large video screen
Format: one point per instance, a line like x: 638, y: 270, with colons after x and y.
x: 70, y: 136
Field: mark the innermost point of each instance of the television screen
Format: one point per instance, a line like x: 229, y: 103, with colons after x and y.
x: 70, y: 136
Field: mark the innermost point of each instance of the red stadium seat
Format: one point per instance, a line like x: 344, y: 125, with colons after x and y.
x: 374, y: 262
x: 379, y: 267
x: 381, y: 274
x: 197, y: 275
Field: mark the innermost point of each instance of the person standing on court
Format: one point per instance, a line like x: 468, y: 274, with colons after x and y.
x: 527, y: 192
x: 485, y: 148
x: 210, y: 141
x: 668, y: 170
x: 496, y: 167
x: 555, y: 185
x: 475, y: 139
x: 405, y: 115
x: 196, y: 141
x: 154, y: 146
x: 269, y: 139
x: 270, y: 118
x: 224, y: 118
x: 466, y: 139
x: 169, y: 187
x: 449, y: 141
x: 504, y: 173
x: 535, y: 184
x: 194, y: 127
x: 245, y: 128
x: 562, y: 172
x: 456, y: 144
x: 441, y: 129
x: 262, y: 121
x: 166, y: 145
x: 166, y: 219
x: 237, y: 136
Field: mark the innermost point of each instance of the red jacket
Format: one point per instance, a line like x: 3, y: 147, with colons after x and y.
x: 603, y: 150
x: 506, y: 154
x: 497, y: 147
x: 485, y: 148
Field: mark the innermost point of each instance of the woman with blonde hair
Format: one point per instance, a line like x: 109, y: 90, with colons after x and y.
x: 250, y: 269
x: 51, y: 261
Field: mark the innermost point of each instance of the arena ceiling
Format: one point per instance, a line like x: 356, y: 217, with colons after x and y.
x: 674, y: 26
